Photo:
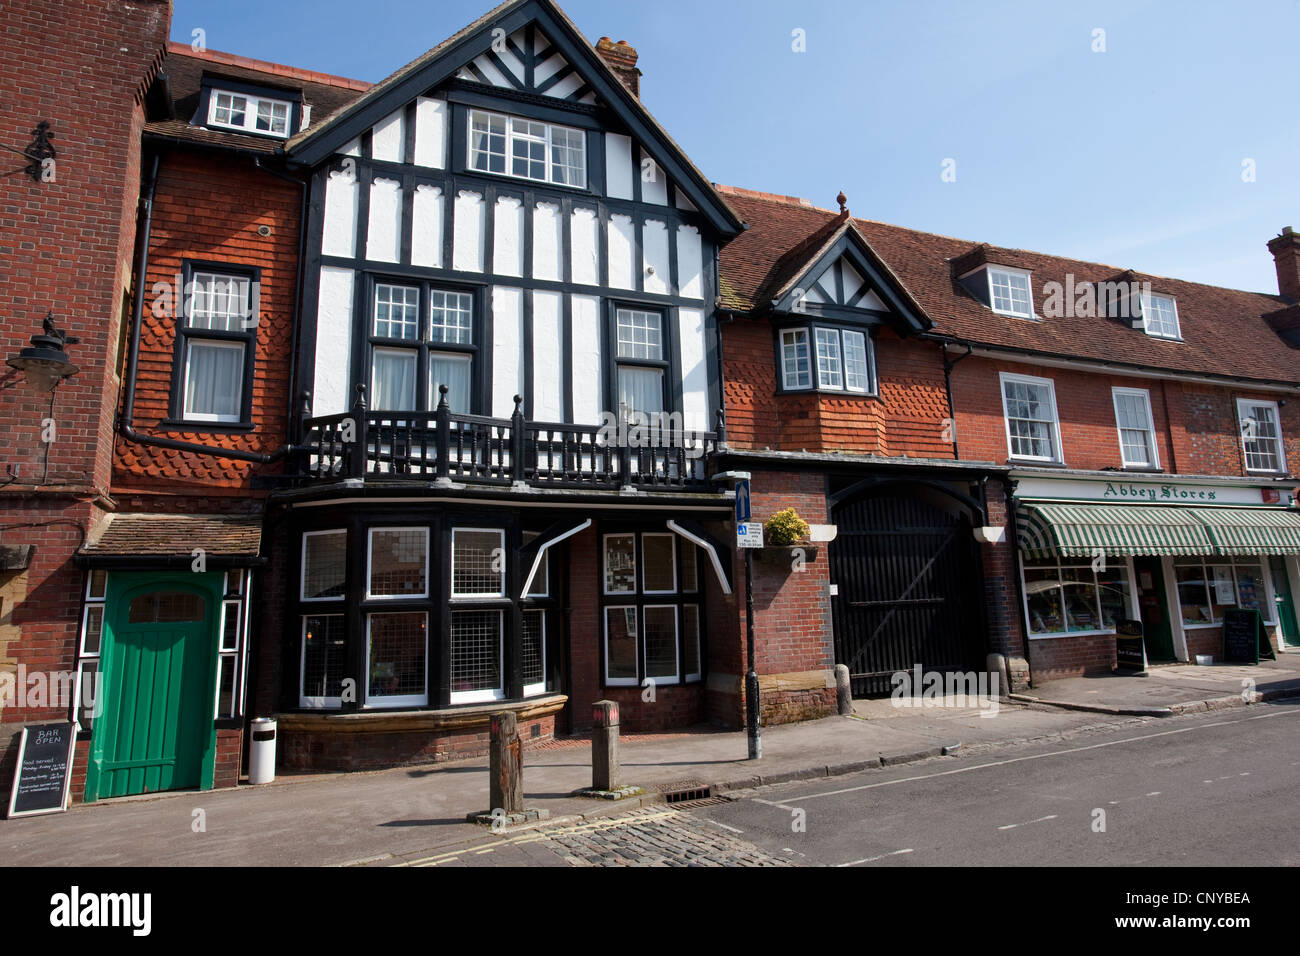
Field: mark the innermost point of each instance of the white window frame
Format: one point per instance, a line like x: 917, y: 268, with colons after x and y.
x: 1267, y: 603
x: 991, y: 271
x: 302, y: 567
x: 636, y: 643
x: 370, y: 551
x: 792, y: 375
x: 1150, y: 429
x: 312, y: 702
x: 672, y: 553
x: 487, y: 695
x: 1245, y: 409
x: 401, y: 700
x: 1054, y: 437
x: 604, y: 565
x: 1147, y: 302
x: 510, y: 137
x: 677, y: 647
x: 478, y: 596
x: 251, y: 103
x: 692, y: 676
x: 532, y: 690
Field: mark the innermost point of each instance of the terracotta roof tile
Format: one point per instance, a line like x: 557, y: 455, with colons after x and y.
x: 1224, y: 332
x: 166, y: 534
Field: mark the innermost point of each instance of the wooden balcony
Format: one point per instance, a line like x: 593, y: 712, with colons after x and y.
x: 474, y: 449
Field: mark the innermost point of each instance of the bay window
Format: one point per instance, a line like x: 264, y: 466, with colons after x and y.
x: 651, y: 615
x: 844, y: 360
x: 478, y: 599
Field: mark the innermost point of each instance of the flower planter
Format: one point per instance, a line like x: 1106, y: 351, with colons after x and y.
x: 784, y: 554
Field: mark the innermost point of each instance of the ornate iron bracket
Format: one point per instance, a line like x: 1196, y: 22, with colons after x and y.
x: 38, y: 151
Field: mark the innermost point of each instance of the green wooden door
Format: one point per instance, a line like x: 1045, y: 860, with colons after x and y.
x: 156, y: 731
x: 1286, y: 618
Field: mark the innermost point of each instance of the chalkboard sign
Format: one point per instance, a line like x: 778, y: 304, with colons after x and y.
x: 1243, y: 632
x: 1129, y: 655
x: 44, y: 769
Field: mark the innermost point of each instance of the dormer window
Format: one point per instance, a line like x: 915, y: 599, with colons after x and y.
x: 248, y: 113
x: 527, y: 149
x: 1009, y: 292
x: 1160, y: 317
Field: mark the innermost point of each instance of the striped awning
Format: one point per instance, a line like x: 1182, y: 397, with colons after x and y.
x: 1247, y: 531
x: 1086, y: 531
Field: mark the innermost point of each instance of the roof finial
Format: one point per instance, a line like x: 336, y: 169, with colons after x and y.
x: 843, y: 200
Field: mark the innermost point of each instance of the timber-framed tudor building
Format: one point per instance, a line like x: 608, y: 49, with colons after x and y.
x: 361, y: 435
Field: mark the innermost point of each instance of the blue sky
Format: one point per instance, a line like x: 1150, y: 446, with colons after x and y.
x: 1132, y: 156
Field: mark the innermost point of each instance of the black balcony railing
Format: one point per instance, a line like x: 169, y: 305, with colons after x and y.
x: 495, y: 451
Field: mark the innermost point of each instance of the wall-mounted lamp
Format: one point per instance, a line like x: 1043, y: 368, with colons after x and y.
x: 44, y: 364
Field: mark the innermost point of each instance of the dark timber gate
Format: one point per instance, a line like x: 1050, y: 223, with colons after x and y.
x: 909, y: 590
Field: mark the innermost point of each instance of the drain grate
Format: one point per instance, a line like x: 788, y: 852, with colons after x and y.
x: 684, y: 794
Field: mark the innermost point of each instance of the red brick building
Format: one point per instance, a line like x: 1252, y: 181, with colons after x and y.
x: 1127, y: 439
x: 361, y: 436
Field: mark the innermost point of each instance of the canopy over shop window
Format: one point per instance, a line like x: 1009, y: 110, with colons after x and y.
x: 1249, y: 531
x: 1083, y: 530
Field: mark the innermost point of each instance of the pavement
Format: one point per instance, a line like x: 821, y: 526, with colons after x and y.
x: 1167, y: 689
x: 417, y: 814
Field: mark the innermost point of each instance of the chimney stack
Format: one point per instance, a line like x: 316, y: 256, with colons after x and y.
x: 622, y: 60
x: 1286, y: 257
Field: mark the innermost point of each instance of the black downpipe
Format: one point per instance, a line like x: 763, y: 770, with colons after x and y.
x: 948, y: 365
x: 125, y: 425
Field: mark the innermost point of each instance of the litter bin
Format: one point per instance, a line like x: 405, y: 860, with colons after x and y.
x: 261, y: 755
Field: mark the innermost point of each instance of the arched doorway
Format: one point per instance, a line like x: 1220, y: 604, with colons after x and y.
x: 907, y: 576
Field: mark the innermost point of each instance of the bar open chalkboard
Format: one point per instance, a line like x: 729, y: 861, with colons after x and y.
x: 1243, y: 632
x: 44, y: 769
x: 1129, y: 654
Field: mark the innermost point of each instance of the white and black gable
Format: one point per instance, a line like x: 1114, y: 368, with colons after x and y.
x: 498, y: 216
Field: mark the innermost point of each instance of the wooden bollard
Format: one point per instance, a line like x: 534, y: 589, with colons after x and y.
x: 606, y: 774
x: 507, y: 764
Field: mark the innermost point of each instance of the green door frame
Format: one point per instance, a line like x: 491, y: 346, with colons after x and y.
x: 1288, y: 629
x: 122, y: 586
x: 1159, y: 645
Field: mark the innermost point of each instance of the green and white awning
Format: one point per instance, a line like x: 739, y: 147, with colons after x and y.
x: 1086, y: 531
x: 1047, y: 530
x: 1247, y: 531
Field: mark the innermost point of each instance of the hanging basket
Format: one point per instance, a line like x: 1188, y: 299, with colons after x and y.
x: 784, y: 553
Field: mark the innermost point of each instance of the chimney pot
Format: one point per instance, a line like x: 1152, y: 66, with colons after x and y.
x: 621, y: 58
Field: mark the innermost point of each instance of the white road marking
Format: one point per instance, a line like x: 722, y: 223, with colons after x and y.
x: 1011, y: 760
x: 1154, y: 793
x: 873, y: 859
x: 1012, y: 826
x: 724, y: 826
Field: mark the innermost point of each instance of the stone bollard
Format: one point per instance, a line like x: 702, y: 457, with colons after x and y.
x: 507, y: 764
x: 606, y: 774
x: 843, y: 690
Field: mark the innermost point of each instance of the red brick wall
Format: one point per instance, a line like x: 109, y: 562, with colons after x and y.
x: 1006, y: 631
x: 584, y: 629
x: 194, y: 219
x: 906, y: 420
x: 298, y: 750
x: 1056, y: 657
x: 66, y: 246
x: 1196, y: 425
x: 230, y: 748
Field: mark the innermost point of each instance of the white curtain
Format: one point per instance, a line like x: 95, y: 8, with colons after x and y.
x: 214, y: 380
x: 393, y: 388
x: 454, y: 372
x: 640, y: 390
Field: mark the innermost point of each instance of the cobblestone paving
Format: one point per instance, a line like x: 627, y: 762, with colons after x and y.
x: 651, y: 836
